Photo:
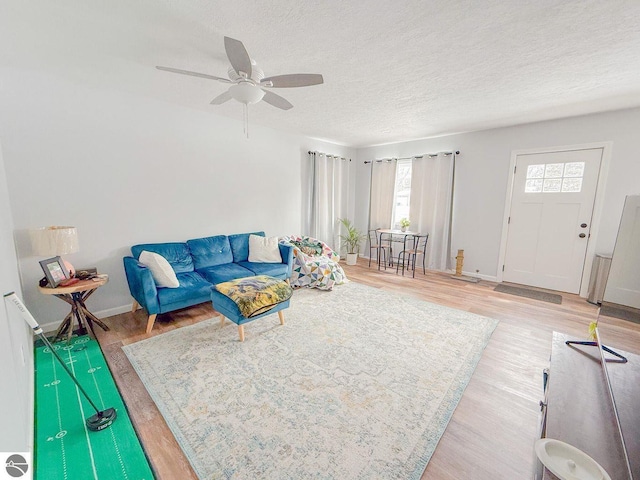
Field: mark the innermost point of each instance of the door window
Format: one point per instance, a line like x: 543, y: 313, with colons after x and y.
x: 554, y: 178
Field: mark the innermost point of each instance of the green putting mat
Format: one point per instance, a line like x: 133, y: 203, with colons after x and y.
x: 64, y: 447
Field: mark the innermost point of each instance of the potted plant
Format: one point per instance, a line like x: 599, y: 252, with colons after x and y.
x: 404, y: 223
x: 351, y: 241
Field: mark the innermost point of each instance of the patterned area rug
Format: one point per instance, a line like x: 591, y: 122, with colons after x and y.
x: 358, y: 384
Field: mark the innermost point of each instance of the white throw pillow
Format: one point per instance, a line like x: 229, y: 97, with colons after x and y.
x: 161, y: 270
x: 264, y: 249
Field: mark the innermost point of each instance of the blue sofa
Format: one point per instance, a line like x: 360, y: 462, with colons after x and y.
x: 199, y: 264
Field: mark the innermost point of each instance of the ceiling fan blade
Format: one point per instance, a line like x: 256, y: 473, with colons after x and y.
x: 223, y: 97
x: 238, y: 56
x: 276, y: 100
x: 194, y: 74
x: 292, y: 80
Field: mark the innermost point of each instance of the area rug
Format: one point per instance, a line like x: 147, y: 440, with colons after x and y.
x: 529, y: 293
x: 358, y: 384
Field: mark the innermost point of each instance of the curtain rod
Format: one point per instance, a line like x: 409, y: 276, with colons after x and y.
x: 430, y: 155
x: 327, y: 155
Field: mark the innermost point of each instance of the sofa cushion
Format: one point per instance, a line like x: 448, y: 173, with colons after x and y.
x: 264, y: 249
x: 224, y: 273
x: 277, y: 270
x: 210, y: 251
x: 240, y: 245
x: 177, y: 254
x: 161, y: 270
x: 193, y: 289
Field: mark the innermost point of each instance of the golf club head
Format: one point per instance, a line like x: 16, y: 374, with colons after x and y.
x: 101, y: 420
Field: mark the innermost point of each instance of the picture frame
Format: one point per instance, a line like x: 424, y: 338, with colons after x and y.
x: 54, y: 270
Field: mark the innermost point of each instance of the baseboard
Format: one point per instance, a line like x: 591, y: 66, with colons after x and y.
x: 109, y: 312
x: 488, y: 278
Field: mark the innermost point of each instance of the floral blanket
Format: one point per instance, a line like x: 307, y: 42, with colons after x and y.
x: 315, y: 264
x: 255, y: 295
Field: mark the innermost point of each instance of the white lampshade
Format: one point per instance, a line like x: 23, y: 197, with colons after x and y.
x: 246, y: 93
x: 49, y: 241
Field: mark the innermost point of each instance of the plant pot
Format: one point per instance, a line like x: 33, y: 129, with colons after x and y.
x: 403, y: 229
x: 352, y: 258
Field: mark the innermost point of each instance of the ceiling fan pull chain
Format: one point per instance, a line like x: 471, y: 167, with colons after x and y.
x: 245, y: 111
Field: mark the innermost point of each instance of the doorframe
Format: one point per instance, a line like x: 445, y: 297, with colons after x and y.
x: 597, y: 204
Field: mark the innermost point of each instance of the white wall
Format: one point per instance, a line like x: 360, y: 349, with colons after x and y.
x: 125, y: 169
x: 16, y: 344
x: 483, y: 170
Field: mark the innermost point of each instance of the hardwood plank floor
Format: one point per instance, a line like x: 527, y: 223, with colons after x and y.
x: 492, y: 431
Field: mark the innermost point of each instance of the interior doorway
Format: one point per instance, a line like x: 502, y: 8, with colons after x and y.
x: 550, y: 217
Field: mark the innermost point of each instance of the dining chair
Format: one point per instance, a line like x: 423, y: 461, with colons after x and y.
x: 373, y: 245
x: 408, y: 244
x: 398, y: 242
x: 383, y: 247
x: 410, y: 255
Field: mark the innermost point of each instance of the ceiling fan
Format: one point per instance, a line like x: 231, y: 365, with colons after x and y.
x: 249, y: 83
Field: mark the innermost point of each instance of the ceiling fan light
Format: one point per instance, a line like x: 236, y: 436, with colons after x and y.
x: 246, y: 93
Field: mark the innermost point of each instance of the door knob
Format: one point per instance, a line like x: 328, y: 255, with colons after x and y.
x: 582, y: 235
x: 583, y: 225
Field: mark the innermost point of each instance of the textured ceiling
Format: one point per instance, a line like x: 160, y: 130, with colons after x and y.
x: 393, y: 70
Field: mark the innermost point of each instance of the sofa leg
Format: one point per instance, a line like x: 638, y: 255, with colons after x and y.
x: 150, y: 322
x: 281, y: 315
x: 135, y: 306
x: 241, y: 332
x: 222, y: 320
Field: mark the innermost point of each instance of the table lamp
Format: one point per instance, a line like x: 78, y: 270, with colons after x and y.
x: 58, y: 241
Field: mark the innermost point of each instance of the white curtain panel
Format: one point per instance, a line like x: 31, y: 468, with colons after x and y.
x: 307, y: 175
x: 341, y: 198
x: 383, y: 181
x: 430, y: 206
x: 330, y: 197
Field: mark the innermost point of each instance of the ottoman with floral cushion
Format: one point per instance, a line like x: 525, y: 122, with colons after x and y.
x: 315, y: 264
x: 244, y: 300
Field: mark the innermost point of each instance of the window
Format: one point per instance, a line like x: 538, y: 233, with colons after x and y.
x: 402, y: 192
x: 554, y: 178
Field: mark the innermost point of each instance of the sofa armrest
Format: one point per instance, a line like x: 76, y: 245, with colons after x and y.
x: 286, y: 252
x: 141, y: 285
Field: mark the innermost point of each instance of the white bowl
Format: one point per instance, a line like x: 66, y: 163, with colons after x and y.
x: 567, y: 462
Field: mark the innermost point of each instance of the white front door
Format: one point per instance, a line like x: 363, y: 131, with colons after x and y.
x: 550, y: 218
x: 623, y: 284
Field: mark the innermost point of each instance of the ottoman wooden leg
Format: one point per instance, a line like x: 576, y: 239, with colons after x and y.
x: 281, y: 315
x: 241, y: 332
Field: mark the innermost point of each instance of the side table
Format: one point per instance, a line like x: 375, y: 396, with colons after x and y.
x: 76, y: 295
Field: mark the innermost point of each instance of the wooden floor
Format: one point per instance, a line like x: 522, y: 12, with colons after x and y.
x: 492, y: 431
